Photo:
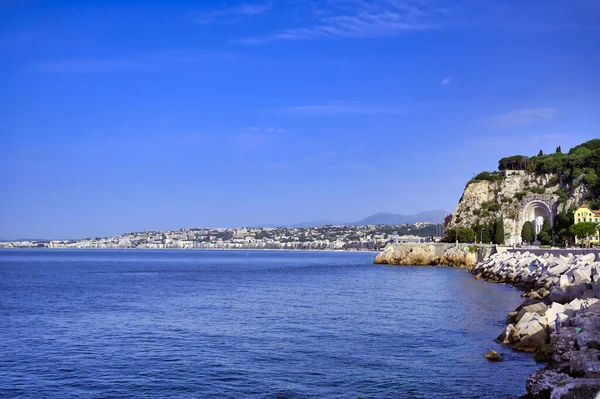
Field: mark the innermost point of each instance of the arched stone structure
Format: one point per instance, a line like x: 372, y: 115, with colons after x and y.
x: 534, y: 208
x: 536, y: 211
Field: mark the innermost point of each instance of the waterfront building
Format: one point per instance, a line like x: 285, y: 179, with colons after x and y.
x: 586, y: 214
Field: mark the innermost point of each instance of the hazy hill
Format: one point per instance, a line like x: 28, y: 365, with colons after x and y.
x: 436, y: 216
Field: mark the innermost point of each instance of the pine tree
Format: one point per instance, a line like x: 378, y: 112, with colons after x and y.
x: 499, y: 232
x: 558, y: 150
x: 528, y: 232
x: 541, y: 153
x: 486, y: 234
x: 547, y: 226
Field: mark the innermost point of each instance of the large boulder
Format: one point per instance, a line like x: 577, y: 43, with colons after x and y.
x: 541, y: 383
x: 564, y: 282
x: 573, y: 307
x: 585, y: 363
x: 493, y: 356
x: 558, y: 269
x: 582, y: 276
x: 539, y: 308
x: 589, y: 258
x: 574, y: 291
x: 557, y: 295
x: 531, y: 343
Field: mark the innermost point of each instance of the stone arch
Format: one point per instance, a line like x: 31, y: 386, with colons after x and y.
x: 535, y: 211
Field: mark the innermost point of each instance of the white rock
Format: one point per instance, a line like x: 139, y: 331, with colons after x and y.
x: 564, y: 281
x: 525, y: 319
x: 558, y: 270
x: 553, y: 310
x: 581, y: 277
x: 589, y: 258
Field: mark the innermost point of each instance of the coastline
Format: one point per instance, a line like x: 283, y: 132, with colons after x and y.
x: 554, y: 283
x: 195, y: 249
x: 561, y: 290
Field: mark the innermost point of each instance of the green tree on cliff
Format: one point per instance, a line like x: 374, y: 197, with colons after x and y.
x: 547, y: 226
x: 545, y: 236
x: 584, y: 230
x: 499, y: 232
x: 558, y: 150
x: 460, y: 234
x: 541, y: 153
x: 528, y: 232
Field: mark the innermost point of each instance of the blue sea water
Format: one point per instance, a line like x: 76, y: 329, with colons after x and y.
x: 233, y: 324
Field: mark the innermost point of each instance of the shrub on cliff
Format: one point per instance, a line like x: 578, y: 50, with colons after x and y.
x: 488, y: 176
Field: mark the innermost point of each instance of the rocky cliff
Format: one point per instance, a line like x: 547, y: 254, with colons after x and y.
x: 515, y: 197
x: 434, y: 254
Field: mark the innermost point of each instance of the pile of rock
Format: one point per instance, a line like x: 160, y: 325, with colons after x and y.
x: 559, y: 279
x: 560, y: 319
x: 573, y: 358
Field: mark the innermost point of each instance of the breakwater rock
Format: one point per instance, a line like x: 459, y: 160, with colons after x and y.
x: 460, y: 255
x: 559, y: 320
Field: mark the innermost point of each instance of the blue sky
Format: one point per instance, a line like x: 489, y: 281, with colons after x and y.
x: 124, y: 116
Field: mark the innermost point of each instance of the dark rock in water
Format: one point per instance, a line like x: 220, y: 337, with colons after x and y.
x: 493, y: 356
x: 512, y: 317
x: 500, y: 338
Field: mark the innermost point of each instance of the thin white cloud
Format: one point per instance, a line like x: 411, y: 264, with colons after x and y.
x: 360, y: 19
x: 256, y: 138
x: 521, y: 117
x: 446, y: 81
x: 341, y: 109
x: 267, y: 129
x: 229, y: 15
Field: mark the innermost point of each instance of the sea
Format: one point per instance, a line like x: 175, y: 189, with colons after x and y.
x: 248, y: 324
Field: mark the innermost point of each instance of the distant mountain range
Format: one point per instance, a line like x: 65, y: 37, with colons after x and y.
x: 436, y: 216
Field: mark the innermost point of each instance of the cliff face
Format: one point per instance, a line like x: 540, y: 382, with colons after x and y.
x: 433, y: 254
x: 515, y: 198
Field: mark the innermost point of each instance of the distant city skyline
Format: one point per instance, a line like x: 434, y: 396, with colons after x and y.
x: 124, y: 116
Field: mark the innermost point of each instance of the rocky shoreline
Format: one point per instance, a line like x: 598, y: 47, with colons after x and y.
x: 461, y: 255
x: 564, y: 288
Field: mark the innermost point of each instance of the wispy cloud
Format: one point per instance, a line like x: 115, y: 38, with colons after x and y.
x: 446, y: 81
x: 341, y: 109
x: 229, y: 15
x: 520, y: 117
x: 360, y: 19
x: 266, y: 129
x: 257, y: 138
x: 128, y: 63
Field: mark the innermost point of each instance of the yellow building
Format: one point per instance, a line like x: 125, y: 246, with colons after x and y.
x: 585, y: 214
